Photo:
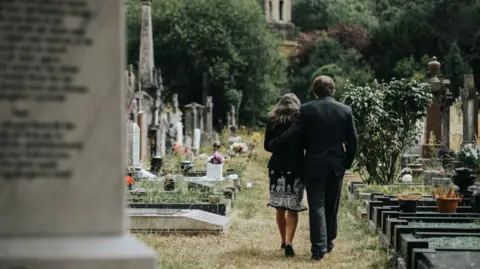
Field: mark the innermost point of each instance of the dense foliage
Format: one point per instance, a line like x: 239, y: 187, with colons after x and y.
x: 216, y: 47
x: 394, y: 37
x: 386, y: 118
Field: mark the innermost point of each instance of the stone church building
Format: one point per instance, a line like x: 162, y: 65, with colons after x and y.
x: 278, y: 14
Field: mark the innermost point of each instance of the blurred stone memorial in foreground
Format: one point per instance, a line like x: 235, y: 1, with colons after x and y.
x: 62, y: 137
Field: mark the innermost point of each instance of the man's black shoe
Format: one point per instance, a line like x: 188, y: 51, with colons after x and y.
x: 330, y: 246
x: 317, y: 257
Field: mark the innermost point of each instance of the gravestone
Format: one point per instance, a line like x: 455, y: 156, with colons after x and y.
x: 470, y: 110
x: 179, y: 127
x: 209, y: 116
x: 135, y: 144
x: 62, y: 135
x: 196, y: 139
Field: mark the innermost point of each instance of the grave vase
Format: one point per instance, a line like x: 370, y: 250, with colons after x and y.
x: 214, y: 171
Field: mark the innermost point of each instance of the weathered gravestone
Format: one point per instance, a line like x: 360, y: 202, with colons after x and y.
x: 62, y: 137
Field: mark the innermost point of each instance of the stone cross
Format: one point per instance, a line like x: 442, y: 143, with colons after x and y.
x: 176, y: 114
x: 470, y: 110
x: 67, y: 210
x: 209, y: 115
x: 193, y: 117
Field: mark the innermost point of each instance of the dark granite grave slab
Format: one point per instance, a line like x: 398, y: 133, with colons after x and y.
x: 406, y: 245
x: 219, y: 209
x: 353, y: 185
x: 447, y: 259
x: 370, y: 206
x: 400, y: 228
x: 395, y: 214
x: 419, y: 234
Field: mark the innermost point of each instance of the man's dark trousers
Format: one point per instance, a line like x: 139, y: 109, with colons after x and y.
x: 323, y: 194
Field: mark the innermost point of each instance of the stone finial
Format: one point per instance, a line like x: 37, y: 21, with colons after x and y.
x: 434, y: 66
x: 147, y: 2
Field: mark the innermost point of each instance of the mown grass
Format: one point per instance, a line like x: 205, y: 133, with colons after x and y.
x: 253, y: 240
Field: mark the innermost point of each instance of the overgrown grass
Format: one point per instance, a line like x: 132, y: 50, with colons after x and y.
x: 253, y: 240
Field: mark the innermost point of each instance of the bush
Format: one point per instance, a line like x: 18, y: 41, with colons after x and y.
x: 386, y: 120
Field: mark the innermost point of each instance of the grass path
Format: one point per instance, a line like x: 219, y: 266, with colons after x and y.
x: 253, y: 240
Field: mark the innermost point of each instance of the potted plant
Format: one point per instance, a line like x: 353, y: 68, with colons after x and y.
x: 475, y: 189
x: 408, y: 201
x: 169, y: 184
x: 447, y: 201
x: 463, y: 178
x: 215, y: 166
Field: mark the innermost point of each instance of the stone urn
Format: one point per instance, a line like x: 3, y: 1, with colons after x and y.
x: 463, y: 178
x: 186, y: 166
x: 434, y: 66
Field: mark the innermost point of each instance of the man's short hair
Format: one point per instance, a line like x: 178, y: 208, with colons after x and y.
x: 323, y: 86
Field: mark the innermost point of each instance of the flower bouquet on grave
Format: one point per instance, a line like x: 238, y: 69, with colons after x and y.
x: 215, y: 166
x: 469, y: 154
x: 238, y: 148
x: 177, y: 147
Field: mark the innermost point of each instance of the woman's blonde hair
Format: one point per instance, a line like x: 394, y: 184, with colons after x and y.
x: 286, y: 110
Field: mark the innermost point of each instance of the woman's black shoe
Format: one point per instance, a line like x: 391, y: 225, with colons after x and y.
x: 289, y: 251
x: 282, y: 246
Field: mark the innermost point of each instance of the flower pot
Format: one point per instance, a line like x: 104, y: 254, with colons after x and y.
x: 214, y: 199
x: 169, y: 185
x: 408, y: 206
x: 214, y: 171
x: 447, y: 205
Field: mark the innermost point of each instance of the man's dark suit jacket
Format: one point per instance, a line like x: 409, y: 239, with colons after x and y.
x: 324, y: 126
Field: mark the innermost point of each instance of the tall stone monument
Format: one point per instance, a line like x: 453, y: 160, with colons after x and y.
x: 433, y: 123
x: 62, y: 135
x: 470, y: 110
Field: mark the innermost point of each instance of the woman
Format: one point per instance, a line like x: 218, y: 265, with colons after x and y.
x: 286, y: 186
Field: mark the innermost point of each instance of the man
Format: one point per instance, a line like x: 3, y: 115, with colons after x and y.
x: 324, y: 126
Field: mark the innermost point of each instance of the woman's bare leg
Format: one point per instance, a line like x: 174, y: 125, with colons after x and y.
x: 281, y: 223
x: 292, y: 221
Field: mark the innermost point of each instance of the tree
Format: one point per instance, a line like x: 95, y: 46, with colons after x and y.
x: 310, y: 15
x: 455, y: 68
x: 386, y: 120
x: 329, y: 57
x: 224, y: 44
